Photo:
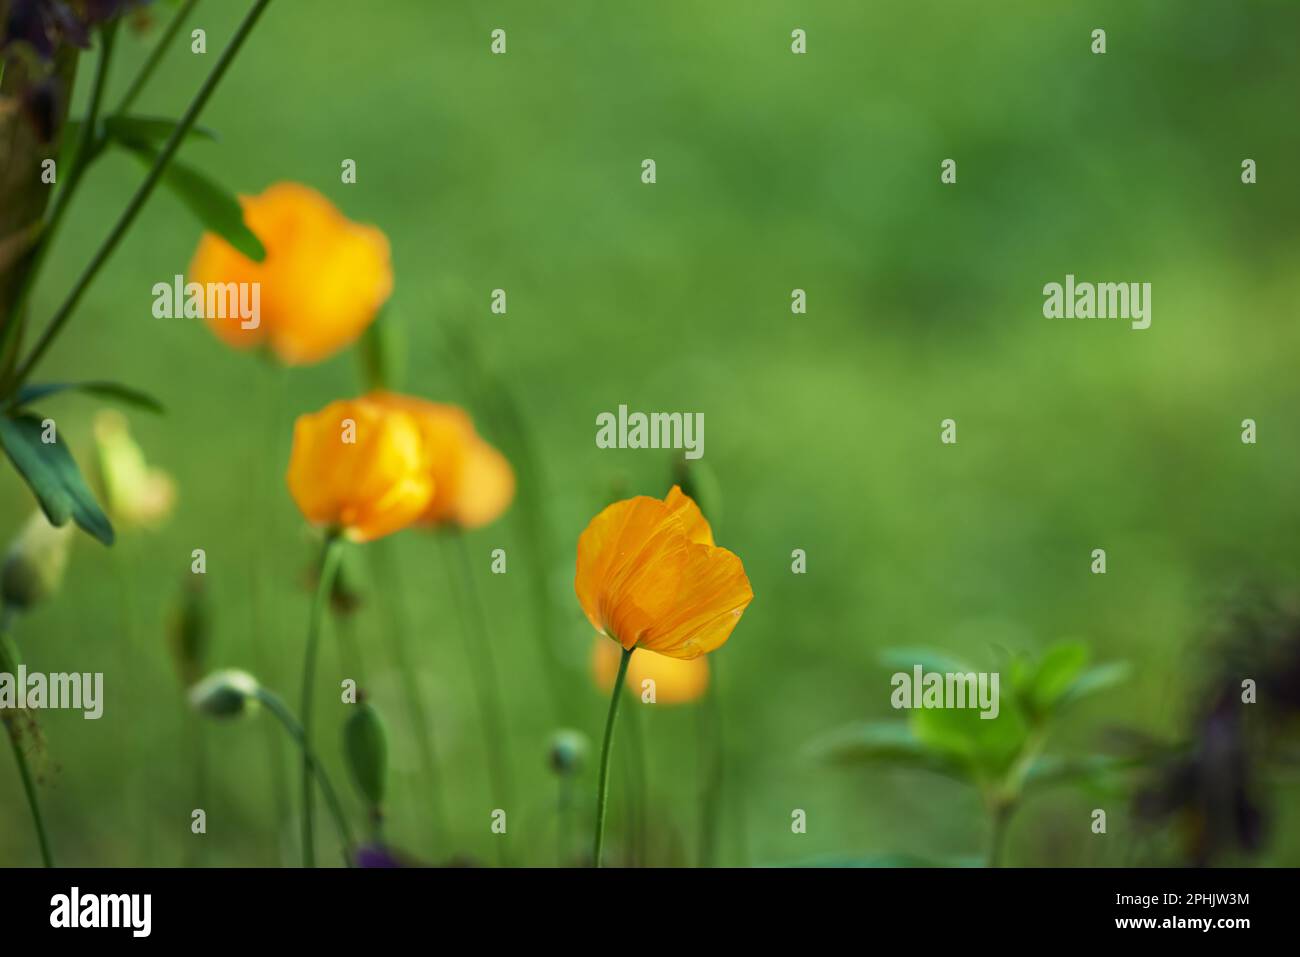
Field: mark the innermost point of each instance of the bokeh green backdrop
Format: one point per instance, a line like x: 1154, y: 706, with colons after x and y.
x: 775, y: 171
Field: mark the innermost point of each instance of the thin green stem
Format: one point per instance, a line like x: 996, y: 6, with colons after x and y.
x: 329, y: 563
x: 563, y: 804
x: 709, y: 713
x: 8, y: 663
x: 640, y: 831
x: 479, y: 649
x: 155, y: 56
x: 1000, y: 814
x: 602, y: 784
x: 142, y: 194
x: 398, y: 627
x: 298, y: 733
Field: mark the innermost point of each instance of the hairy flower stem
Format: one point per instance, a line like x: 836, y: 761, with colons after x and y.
x: 602, y: 784
x: 142, y: 194
x: 281, y: 711
x: 329, y: 563
x: 9, y: 664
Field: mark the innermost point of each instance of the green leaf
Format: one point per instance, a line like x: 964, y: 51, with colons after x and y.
x: 988, y: 746
x: 1093, y: 770
x: 212, y: 204
x: 1057, y: 670
x: 53, y: 476
x: 130, y: 130
x: 151, y: 129
x: 883, y: 742
x: 104, y: 390
x: 1094, y: 680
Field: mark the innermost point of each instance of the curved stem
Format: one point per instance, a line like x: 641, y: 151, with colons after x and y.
x: 602, y: 785
x: 8, y: 663
x: 281, y: 711
x: 329, y: 563
x: 142, y: 194
x: 156, y: 55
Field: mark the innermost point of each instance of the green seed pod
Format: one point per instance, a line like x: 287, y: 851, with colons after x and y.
x: 365, y: 743
x: 188, y: 636
x: 33, y: 568
x: 225, y: 694
x: 568, y: 751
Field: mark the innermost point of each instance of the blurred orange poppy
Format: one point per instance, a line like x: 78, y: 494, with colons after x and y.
x: 358, y: 467
x: 322, y: 282
x: 650, y: 576
x: 473, y: 482
x: 676, y: 680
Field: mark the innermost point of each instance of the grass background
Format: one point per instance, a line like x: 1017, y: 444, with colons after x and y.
x: 775, y: 171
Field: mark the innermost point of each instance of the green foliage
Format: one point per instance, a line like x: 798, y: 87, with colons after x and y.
x: 365, y: 744
x: 1000, y: 757
x: 53, y: 476
x: 102, y: 390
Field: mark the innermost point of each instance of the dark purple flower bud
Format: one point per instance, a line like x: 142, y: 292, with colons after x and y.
x: 376, y: 855
x: 29, y: 22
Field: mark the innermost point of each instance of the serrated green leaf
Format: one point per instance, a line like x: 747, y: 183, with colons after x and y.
x: 104, y: 390
x: 212, y: 204
x: 53, y: 476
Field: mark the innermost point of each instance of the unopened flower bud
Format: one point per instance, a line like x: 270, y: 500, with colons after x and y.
x: 225, y: 694
x: 568, y: 751
x: 33, y: 568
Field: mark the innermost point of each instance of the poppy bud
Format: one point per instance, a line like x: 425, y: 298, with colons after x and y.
x: 136, y: 493
x: 365, y: 743
x: 568, y: 751
x: 33, y: 568
x: 225, y: 694
x: 189, y: 634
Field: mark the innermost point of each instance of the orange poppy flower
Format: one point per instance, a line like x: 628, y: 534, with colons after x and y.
x: 322, y: 281
x: 676, y: 680
x: 358, y: 467
x: 650, y: 576
x: 473, y: 482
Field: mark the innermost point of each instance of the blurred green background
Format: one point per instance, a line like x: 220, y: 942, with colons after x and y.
x: 775, y: 171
